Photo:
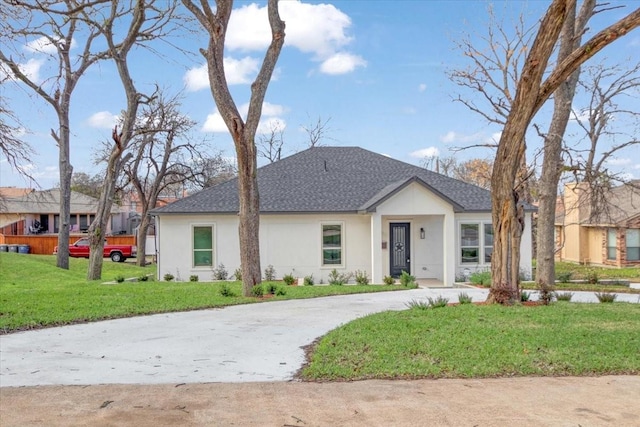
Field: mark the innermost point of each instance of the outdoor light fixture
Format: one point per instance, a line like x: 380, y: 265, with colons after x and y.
x: 422, y: 233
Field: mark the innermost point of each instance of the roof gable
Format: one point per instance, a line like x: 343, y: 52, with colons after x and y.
x: 333, y: 179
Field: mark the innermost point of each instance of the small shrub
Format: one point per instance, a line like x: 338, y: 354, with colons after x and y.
x: 417, y: 305
x: 225, y: 291
x: 361, y: 277
x: 270, y: 288
x: 438, y: 302
x: 257, y: 291
x: 338, y: 279
x: 220, y: 273
x: 592, y: 277
x: 388, y: 280
x: 464, y: 298
x: 281, y: 291
x: 269, y: 273
x: 407, y: 280
x: 564, y: 277
x: 168, y: 277
x: 143, y: 278
x: 481, y: 278
x: 564, y: 296
x: 524, y: 296
x: 308, y: 280
x: 546, y: 293
x: 238, y: 274
x: 119, y: 279
x: 194, y: 278
x: 288, y: 279
x: 606, y: 296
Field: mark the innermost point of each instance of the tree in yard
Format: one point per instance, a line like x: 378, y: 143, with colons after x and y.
x: 570, y: 38
x: 270, y: 144
x: 17, y: 152
x: 243, y: 132
x: 84, y: 183
x: 531, y: 93
x: 162, y: 157
x: 50, y: 28
x: 317, y: 132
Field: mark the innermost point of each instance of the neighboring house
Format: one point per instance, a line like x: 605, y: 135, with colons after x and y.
x: 342, y: 208
x: 38, y: 212
x: 610, y: 236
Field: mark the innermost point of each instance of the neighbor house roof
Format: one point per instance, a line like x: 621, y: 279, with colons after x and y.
x: 48, y: 201
x: 332, y: 179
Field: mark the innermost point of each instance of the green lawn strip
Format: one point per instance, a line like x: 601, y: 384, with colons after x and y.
x: 34, y: 293
x: 581, y: 272
x: 470, y: 341
x: 586, y: 287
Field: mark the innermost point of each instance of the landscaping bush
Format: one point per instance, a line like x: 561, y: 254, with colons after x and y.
x: 417, y: 305
x: 257, y: 291
x: 388, y: 280
x: 280, y: 291
x: 270, y: 288
x: 564, y: 296
x: 225, y: 291
x: 238, y: 274
x: 338, y: 279
x: 119, y: 279
x: 438, y: 302
x: 524, y: 296
x: 592, y: 277
x: 269, y: 273
x: 361, y: 277
x: 288, y: 279
x: 168, y: 277
x: 308, y: 280
x: 220, y: 273
x: 407, y: 280
x: 143, y: 278
x: 464, y: 298
x: 481, y: 278
x: 564, y: 277
x: 194, y: 278
x: 606, y: 296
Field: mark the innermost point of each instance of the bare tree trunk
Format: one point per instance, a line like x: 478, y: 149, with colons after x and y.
x: 505, y: 210
x: 66, y: 170
x: 141, y: 240
x: 552, y: 161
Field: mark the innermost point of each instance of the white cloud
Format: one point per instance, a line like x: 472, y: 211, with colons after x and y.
x: 31, y: 69
x: 318, y: 29
x: 422, y: 87
x: 428, y: 152
x: 44, y: 45
x: 103, y: 120
x: 270, y: 117
x: 237, y: 71
x: 616, y: 161
x: 342, y: 63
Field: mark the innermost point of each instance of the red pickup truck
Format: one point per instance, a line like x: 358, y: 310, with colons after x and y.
x: 117, y: 253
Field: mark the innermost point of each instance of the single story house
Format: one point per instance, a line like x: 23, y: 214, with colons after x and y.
x: 610, y: 236
x: 342, y: 208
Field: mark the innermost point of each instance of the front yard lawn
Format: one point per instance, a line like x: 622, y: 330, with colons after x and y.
x: 34, y: 293
x: 469, y: 341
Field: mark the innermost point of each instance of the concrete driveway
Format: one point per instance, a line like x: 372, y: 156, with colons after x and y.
x: 246, y: 343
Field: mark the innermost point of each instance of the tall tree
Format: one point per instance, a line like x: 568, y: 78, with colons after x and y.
x: 531, y: 93
x: 53, y: 28
x: 243, y: 132
x: 162, y: 157
x: 270, y: 144
x: 570, y: 38
x: 144, y: 22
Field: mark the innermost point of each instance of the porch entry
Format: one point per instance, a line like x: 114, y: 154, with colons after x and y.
x: 400, y: 250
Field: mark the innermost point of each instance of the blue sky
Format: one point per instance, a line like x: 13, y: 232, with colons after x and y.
x: 377, y: 70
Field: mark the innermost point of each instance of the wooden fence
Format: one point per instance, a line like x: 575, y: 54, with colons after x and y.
x: 43, y: 244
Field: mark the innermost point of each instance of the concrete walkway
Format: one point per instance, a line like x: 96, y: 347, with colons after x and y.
x: 246, y: 343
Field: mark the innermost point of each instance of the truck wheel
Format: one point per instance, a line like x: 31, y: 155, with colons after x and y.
x: 117, y: 257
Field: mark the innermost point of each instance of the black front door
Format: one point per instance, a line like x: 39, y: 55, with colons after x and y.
x: 400, y: 252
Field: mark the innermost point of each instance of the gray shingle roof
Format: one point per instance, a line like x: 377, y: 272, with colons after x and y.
x: 332, y: 179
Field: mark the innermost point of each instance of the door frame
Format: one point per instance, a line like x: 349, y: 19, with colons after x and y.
x: 407, y: 225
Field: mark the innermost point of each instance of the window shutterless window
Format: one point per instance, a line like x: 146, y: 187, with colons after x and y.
x: 203, y: 246
x: 470, y: 243
x: 332, y: 241
x: 488, y: 243
x: 633, y: 244
x: 611, y: 244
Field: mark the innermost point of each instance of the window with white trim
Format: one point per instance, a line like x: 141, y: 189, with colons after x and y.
x: 332, y: 244
x: 476, y: 243
x: 612, y: 237
x: 203, y: 246
x: 633, y: 244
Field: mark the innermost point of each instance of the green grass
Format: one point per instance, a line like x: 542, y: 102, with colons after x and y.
x: 580, y: 272
x: 470, y: 341
x: 35, y: 293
